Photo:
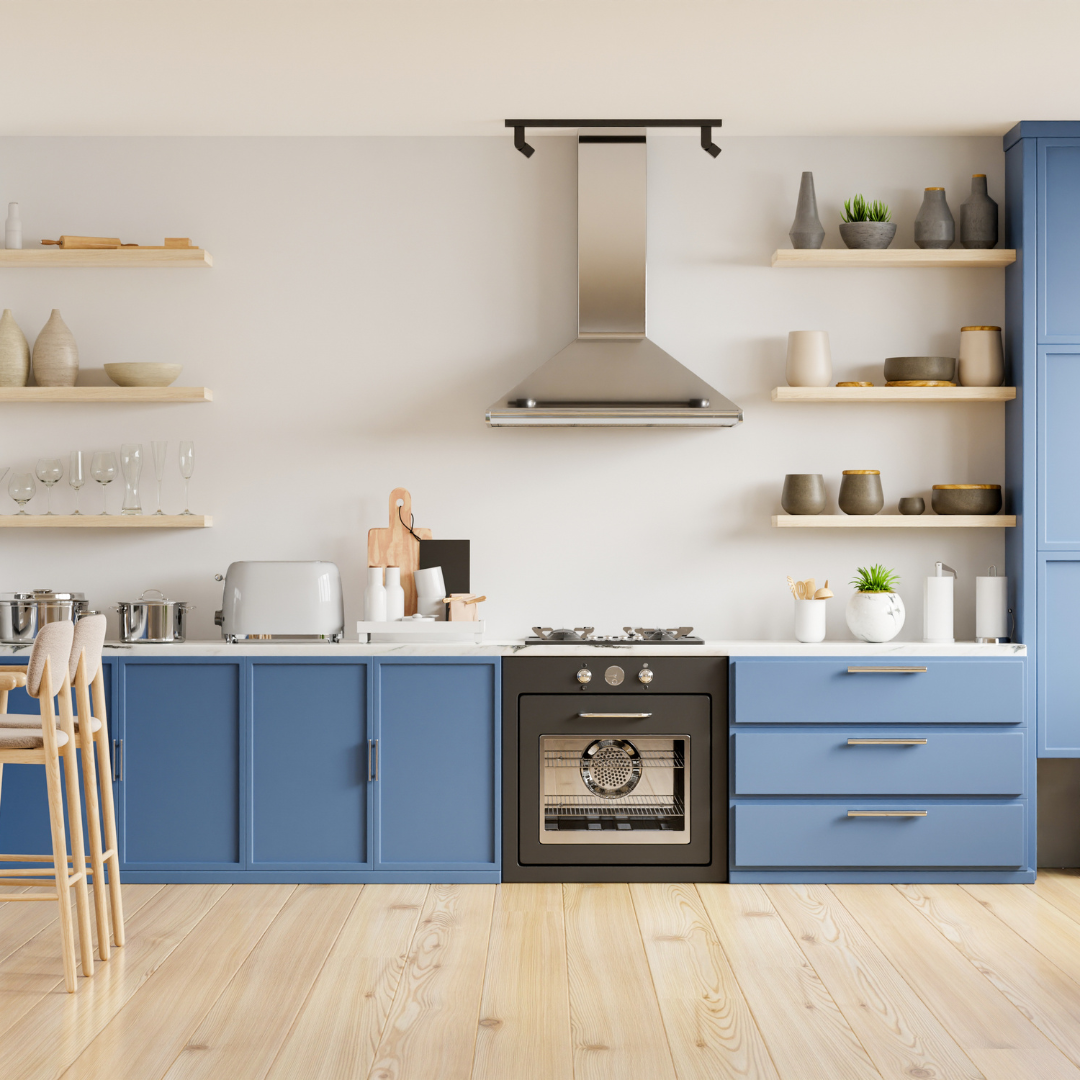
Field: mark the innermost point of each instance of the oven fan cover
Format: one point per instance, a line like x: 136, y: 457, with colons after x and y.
x: 610, y: 768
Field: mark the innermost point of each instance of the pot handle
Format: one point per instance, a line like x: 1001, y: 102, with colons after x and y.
x: 159, y: 595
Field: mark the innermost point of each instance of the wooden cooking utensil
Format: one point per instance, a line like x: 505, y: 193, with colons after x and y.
x: 105, y: 243
x: 791, y: 586
x: 823, y: 593
x: 397, y: 546
x: 800, y: 590
x: 810, y: 586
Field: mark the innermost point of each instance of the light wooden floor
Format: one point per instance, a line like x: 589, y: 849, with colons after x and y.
x: 557, y: 982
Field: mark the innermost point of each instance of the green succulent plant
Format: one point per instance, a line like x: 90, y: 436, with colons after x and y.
x: 858, y: 209
x: 875, y: 579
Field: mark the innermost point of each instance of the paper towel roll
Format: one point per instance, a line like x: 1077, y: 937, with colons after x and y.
x: 991, y: 607
x: 938, y: 609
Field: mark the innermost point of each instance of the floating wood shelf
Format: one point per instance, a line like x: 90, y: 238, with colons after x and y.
x: 104, y: 394
x: 893, y: 393
x: 894, y: 521
x: 973, y: 257
x: 105, y: 521
x: 38, y: 257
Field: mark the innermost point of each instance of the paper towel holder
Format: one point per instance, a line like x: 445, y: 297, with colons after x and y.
x: 1009, y: 617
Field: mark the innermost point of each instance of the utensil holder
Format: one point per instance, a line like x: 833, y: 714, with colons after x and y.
x: 810, y: 620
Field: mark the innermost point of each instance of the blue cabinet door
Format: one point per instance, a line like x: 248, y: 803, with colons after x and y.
x: 437, y: 796
x: 1059, y: 446
x: 1057, y: 659
x: 179, y: 797
x: 1058, y: 284
x: 309, y: 765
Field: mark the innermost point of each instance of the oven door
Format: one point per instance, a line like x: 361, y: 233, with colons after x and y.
x: 614, y: 779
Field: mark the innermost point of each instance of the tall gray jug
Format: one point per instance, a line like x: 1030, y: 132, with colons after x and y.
x: 978, y: 217
x: 934, y: 225
x: 807, y: 230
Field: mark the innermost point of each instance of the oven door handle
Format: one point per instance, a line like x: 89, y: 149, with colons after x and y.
x: 615, y: 715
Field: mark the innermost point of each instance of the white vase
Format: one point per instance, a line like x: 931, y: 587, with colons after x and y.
x: 809, y: 361
x: 810, y: 620
x: 14, y: 352
x: 375, y: 596
x: 56, y: 356
x: 13, y: 228
x: 875, y: 616
x: 395, y: 595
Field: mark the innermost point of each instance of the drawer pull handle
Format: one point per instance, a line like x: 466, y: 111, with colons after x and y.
x: 616, y: 715
x: 886, y: 671
x: 886, y: 813
x: 886, y: 742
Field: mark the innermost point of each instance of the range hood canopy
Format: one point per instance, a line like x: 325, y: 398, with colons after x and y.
x: 612, y: 375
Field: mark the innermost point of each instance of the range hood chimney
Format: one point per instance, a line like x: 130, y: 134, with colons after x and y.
x: 612, y: 375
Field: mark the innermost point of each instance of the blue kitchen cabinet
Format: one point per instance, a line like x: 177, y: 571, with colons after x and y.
x: 1058, y: 373
x: 437, y: 798
x: 1059, y: 649
x: 1058, y: 284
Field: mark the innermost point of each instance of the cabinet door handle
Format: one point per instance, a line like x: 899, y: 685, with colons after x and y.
x: 118, y: 759
x: 373, y: 759
x: 886, y: 813
x: 886, y: 742
x: 886, y: 671
x: 615, y: 715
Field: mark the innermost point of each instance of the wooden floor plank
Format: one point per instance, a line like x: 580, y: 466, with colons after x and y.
x: 150, y: 1031
x: 901, y: 1035
x: 982, y: 1021
x: 1058, y: 887
x: 243, y: 1032
x: 805, y: 1031
x: 711, y: 1033
x: 338, y: 1030
x: 431, y: 1030
x: 524, y: 1027
x: 52, y: 1034
x: 19, y: 922
x: 1037, y: 987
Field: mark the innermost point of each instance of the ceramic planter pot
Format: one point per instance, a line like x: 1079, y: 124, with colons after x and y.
x: 867, y: 234
x: 875, y: 616
x: 860, y: 492
x: 804, y: 493
x: 807, y: 230
x: 978, y: 217
x: 934, y: 225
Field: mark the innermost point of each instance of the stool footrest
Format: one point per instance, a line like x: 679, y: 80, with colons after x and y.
x: 12, y: 897
x: 28, y: 872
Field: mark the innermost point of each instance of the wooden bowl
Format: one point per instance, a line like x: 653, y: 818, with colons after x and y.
x: 966, y: 498
x: 143, y: 374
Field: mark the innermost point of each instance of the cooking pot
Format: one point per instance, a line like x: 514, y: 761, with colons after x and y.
x: 22, y: 614
x: 153, y: 618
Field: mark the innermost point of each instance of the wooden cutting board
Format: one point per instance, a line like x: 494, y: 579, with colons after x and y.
x: 396, y: 546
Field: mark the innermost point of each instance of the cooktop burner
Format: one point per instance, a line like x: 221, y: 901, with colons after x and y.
x: 631, y: 635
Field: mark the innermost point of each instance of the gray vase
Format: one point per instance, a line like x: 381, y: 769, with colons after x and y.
x: 807, y: 230
x: 978, y: 217
x: 804, y: 493
x: 934, y: 227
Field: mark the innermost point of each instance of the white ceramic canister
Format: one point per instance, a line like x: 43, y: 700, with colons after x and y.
x: 810, y: 620
x: 982, y: 362
x: 395, y: 595
x: 430, y: 592
x: 875, y: 616
x: 938, y: 605
x: 809, y: 361
x: 375, y: 596
x: 991, y: 608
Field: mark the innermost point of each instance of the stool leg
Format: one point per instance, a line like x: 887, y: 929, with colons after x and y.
x: 108, y: 811
x: 93, y: 825
x: 59, y: 847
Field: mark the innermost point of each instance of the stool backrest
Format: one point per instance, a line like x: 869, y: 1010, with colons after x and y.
x: 88, y: 640
x: 53, y: 643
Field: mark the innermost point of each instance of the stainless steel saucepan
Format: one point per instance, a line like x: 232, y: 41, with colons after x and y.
x: 153, y: 618
x: 22, y: 614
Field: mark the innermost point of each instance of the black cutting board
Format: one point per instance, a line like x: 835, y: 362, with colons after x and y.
x: 453, y: 557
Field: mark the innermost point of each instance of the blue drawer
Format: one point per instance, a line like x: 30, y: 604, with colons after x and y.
x: 823, y: 762
x: 817, y: 691
x: 952, y: 834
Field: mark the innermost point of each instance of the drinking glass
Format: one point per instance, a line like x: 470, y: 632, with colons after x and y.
x: 103, y: 470
x: 49, y: 471
x: 76, y: 477
x: 187, y: 467
x: 131, y: 462
x: 4, y: 469
x: 22, y: 489
x: 159, y: 471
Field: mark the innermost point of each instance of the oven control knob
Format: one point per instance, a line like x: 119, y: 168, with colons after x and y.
x: 645, y: 676
x: 584, y: 676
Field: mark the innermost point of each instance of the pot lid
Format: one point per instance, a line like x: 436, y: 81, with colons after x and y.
x: 154, y: 598
x: 46, y: 594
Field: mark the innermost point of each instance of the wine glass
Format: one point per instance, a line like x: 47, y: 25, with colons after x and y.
x: 103, y: 470
x: 187, y: 467
x: 49, y: 471
x: 76, y: 477
x: 22, y: 489
x: 4, y: 470
x: 159, y: 471
x: 131, y: 461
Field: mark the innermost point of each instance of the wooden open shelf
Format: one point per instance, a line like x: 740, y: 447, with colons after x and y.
x: 104, y: 394
x: 893, y: 393
x: 894, y: 521
x: 147, y: 257
x: 105, y: 521
x: 974, y: 257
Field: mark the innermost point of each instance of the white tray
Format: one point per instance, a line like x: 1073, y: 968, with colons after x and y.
x: 404, y: 633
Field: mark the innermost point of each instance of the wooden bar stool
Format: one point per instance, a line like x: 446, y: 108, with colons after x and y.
x: 40, y: 744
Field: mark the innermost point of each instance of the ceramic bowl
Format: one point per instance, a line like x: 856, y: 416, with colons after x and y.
x: 966, y: 498
x: 911, y: 504
x: 918, y: 368
x: 143, y: 374
x: 867, y: 234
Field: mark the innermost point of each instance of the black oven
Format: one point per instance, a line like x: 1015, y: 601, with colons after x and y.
x: 614, y: 768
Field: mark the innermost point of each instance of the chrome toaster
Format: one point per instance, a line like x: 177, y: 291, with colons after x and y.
x: 267, y: 601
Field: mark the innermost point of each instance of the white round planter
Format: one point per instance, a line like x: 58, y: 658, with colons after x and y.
x: 875, y: 616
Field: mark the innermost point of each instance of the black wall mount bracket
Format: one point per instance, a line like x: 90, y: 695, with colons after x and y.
x: 706, y: 126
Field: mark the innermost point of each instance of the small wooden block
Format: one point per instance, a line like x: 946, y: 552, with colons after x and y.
x: 462, y: 612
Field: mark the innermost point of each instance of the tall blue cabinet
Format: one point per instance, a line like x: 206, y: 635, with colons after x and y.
x: 1042, y: 432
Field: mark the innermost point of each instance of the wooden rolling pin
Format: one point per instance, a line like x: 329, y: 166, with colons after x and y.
x: 105, y: 243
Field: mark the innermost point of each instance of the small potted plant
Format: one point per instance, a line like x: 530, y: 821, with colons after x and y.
x: 866, y: 225
x: 875, y: 612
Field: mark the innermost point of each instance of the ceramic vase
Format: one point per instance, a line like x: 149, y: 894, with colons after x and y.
x: 14, y: 352
x: 809, y: 361
x: 934, y: 226
x: 978, y: 217
x: 807, y: 230
x: 13, y: 228
x: 804, y: 493
x: 395, y: 595
x: 860, y: 492
x: 56, y: 356
x: 982, y: 361
x: 375, y: 596
x: 875, y: 616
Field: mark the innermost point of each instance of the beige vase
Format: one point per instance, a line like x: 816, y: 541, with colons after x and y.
x: 14, y: 352
x: 56, y: 356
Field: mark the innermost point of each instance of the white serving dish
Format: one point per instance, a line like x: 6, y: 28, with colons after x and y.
x: 149, y: 374
x: 416, y: 632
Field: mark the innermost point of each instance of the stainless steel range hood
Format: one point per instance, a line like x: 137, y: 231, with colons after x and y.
x: 612, y: 375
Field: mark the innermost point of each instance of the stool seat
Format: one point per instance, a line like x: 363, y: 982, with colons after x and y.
x: 25, y: 720
x: 27, y: 738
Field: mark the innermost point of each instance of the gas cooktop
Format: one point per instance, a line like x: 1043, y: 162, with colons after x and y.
x: 631, y: 635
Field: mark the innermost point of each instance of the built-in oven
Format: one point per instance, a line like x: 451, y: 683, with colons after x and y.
x: 621, y: 781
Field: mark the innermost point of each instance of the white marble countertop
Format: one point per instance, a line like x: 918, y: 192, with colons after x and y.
x: 518, y: 648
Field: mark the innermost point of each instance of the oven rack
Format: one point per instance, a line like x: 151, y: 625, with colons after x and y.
x: 639, y: 806
x: 667, y: 759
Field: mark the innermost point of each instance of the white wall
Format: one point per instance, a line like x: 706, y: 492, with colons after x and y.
x: 371, y: 297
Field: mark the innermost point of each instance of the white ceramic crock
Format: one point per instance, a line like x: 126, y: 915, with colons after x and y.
x: 810, y: 620
x: 809, y: 361
x: 875, y: 616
